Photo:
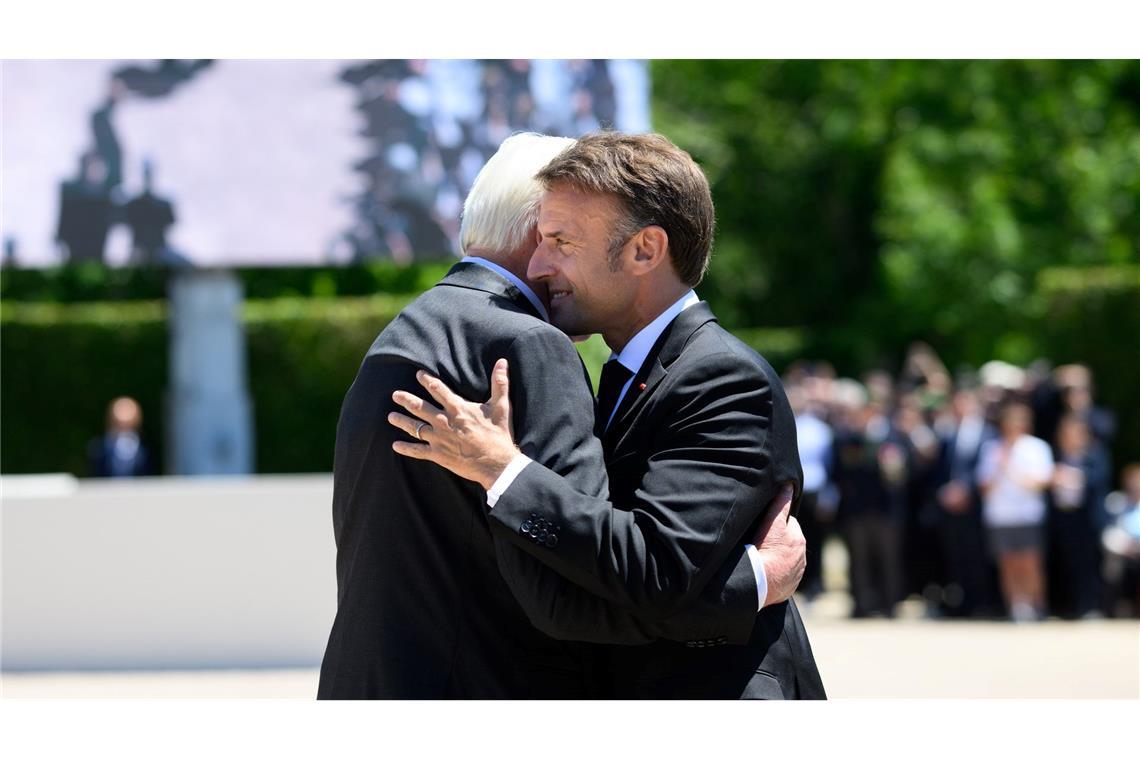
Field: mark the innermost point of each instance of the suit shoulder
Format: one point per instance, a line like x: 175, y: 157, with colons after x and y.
x: 716, y: 347
x: 544, y: 344
x: 440, y: 314
x: 537, y: 332
x: 716, y: 362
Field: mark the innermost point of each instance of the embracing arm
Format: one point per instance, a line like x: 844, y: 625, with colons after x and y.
x: 553, y: 410
x: 725, y: 611
x: 705, y: 486
x: 553, y: 414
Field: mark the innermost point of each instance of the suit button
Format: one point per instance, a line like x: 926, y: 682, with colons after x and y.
x: 552, y: 541
x: 541, y: 535
x: 525, y: 527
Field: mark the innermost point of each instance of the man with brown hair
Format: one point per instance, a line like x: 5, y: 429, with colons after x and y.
x: 697, y: 433
x: 430, y: 602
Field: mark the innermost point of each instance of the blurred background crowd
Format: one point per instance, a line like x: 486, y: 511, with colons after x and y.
x: 986, y: 494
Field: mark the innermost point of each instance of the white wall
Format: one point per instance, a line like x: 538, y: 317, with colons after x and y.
x: 166, y: 572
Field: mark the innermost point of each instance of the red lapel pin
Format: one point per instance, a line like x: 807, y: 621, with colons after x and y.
x: 641, y: 387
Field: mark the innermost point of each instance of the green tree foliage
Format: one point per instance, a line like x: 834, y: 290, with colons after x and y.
x: 876, y: 202
x: 1094, y: 318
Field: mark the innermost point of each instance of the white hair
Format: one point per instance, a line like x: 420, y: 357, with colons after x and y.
x: 502, y: 206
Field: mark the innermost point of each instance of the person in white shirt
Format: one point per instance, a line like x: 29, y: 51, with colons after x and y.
x: 1013, y: 473
x: 814, y: 439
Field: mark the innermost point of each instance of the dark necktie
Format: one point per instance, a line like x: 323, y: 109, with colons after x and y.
x: 614, y: 378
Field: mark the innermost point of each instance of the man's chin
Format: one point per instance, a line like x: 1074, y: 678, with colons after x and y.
x: 567, y: 324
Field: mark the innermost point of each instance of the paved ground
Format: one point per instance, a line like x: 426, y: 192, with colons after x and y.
x: 909, y: 657
x: 943, y: 659
x: 904, y: 658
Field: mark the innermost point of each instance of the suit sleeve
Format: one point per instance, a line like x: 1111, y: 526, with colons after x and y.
x: 553, y: 418
x: 709, y: 477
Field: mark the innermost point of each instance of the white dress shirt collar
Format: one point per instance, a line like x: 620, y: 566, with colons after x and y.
x: 633, y: 355
x: 513, y: 279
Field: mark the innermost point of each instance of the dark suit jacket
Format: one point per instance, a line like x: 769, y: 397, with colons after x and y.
x: 963, y: 466
x: 423, y: 610
x: 696, y: 451
x: 101, y: 459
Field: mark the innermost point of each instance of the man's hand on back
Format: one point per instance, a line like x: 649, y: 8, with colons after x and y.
x: 474, y: 441
x: 782, y: 548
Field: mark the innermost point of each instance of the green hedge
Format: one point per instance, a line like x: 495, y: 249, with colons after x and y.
x: 61, y: 364
x: 303, y: 355
x: 90, y: 281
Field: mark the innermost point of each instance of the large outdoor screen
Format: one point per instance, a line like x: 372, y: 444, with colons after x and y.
x: 248, y: 163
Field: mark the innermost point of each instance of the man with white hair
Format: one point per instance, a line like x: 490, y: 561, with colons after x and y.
x: 427, y: 599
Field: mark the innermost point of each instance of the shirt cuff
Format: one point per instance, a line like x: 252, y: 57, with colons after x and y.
x: 761, y: 577
x: 504, y: 481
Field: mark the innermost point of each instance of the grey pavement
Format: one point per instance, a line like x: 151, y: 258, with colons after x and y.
x: 904, y: 658
x: 909, y: 657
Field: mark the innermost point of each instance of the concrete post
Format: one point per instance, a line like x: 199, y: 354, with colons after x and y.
x: 210, y: 430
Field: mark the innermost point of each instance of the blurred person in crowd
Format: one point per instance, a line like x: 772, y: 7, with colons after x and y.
x: 814, y: 438
x: 999, y: 382
x: 149, y: 216
x: 969, y: 590
x: 86, y: 212
x: 434, y: 603
x: 871, y: 475
x: 120, y: 452
x: 1076, y: 518
x: 925, y: 373
x: 1075, y: 389
x: 880, y: 389
x: 1121, y: 543
x: 592, y: 77
x: 1040, y: 392
x: 921, y: 550
x: 1013, y: 473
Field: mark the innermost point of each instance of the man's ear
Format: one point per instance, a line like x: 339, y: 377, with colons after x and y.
x: 650, y: 248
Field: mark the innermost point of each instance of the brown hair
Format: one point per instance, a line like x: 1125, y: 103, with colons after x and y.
x: 1015, y: 406
x: 1129, y: 471
x: 654, y: 182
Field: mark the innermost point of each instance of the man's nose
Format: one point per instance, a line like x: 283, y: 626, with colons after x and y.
x: 539, y: 266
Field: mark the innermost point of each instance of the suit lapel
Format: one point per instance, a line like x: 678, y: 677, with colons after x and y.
x: 472, y: 276
x: 656, y: 367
